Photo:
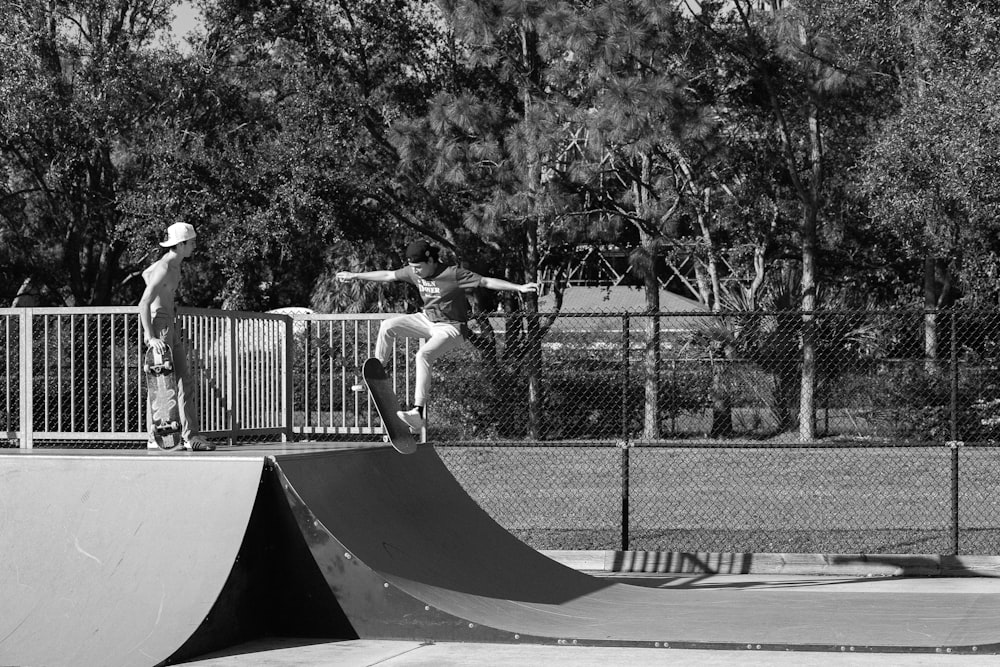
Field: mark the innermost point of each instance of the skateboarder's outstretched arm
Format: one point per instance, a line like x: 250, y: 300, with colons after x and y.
x: 502, y: 285
x: 373, y: 276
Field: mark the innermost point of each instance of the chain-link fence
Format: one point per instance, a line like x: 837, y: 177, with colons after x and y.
x: 841, y: 432
x: 890, y: 376
x: 709, y: 432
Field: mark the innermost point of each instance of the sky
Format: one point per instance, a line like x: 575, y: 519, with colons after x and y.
x: 185, y: 19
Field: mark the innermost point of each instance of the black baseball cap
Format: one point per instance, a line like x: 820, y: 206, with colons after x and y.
x: 419, y: 251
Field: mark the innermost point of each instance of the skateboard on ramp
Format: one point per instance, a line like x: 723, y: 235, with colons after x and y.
x: 380, y: 388
x: 161, y: 385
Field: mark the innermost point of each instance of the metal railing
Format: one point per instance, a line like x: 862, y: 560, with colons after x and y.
x: 73, y: 376
x: 329, y: 351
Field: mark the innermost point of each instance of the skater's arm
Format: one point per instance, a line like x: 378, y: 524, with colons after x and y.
x: 373, y: 276
x: 503, y: 285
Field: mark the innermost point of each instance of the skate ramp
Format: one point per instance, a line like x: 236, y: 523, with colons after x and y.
x: 136, y: 560
x: 410, y: 555
x: 115, y: 560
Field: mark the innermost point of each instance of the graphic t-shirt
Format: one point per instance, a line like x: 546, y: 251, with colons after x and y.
x: 444, y: 294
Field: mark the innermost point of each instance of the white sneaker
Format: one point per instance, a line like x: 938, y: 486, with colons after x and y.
x: 412, y: 419
x: 151, y: 444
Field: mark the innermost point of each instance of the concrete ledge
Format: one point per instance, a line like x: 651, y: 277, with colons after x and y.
x: 848, y: 565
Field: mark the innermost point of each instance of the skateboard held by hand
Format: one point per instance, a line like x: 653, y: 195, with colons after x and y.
x: 161, y: 385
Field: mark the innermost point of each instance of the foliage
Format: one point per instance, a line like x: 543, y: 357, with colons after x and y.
x: 930, y: 174
x: 76, y: 91
x: 299, y: 136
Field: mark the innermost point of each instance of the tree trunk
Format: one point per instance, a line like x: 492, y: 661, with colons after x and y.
x: 930, y: 318
x: 807, y: 394
x: 651, y: 355
x: 534, y: 340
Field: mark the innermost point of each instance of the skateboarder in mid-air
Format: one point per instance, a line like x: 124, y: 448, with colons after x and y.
x: 156, y: 313
x: 443, y: 321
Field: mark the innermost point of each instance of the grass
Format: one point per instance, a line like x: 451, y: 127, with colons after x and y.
x: 876, y: 500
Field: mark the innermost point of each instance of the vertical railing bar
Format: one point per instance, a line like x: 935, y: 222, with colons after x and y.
x: 221, y: 368
x: 284, y: 330
x: 266, y: 345
x: 99, y: 371
x: 357, y: 404
x: 311, y: 330
x: 86, y: 372
x: 111, y: 370
x: 263, y: 340
x: 141, y: 399
x: 258, y: 354
x: 72, y: 372
x: 287, y: 387
x: 206, y: 372
x: 245, y: 357
x: 330, y: 375
x: 7, y: 373
x: 276, y: 413
x: 261, y: 387
x: 246, y: 376
x: 27, y: 427
x: 369, y: 352
x: 234, y: 364
x: 276, y: 343
x: 206, y: 352
x: 318, y: 374
x: 344, y: 402
x: 45, y: 372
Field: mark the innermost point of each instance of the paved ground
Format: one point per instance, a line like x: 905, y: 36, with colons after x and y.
x: 358, y: 653
x: 365, y: 653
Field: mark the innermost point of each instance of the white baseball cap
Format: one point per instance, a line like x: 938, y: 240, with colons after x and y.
x: 179, y: 232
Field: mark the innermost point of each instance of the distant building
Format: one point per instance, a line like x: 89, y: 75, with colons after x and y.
x: 616, y: 299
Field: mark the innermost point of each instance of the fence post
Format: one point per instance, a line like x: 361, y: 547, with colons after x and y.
x: 626, y: 373
x: 955, y: 441
x: 287, y: 352
x: 232, y: 406
x: 26, y: 381
x: 625, y: 457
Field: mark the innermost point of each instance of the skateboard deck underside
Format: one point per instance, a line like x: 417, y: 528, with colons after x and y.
x: 387, y: 405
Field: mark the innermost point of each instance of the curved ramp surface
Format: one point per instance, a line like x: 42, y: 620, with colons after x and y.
x: 113, y: 560
x: 410, y: 555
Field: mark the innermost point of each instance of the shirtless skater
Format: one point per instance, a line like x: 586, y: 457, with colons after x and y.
x: 157, y: 315
x: 443, y: 321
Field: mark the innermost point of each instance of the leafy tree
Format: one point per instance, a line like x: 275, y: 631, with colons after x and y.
x: 77, y: 83
x: 794, y: 67
x: 281, y: 148
x: 930, y: 175
x: 485, y: 144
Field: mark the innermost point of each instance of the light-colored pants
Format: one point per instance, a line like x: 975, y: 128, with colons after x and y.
x: 187, y: 390
x: 440, y: 338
